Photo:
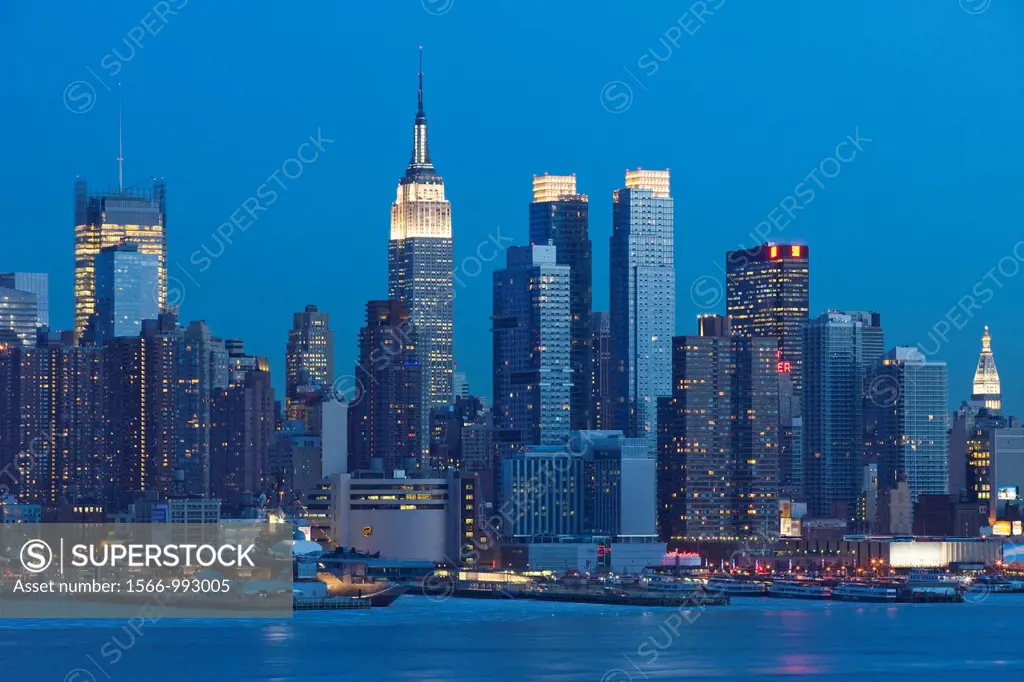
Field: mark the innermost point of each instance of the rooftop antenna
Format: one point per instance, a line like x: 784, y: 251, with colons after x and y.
x: 120, y: 147
x: 421, y: 79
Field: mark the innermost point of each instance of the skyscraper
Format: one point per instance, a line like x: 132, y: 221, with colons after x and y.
x: 767, y: 294
x: 643, y: 305
x: 532, y: 366
x: 909, y: 422
x: 51, y: 422
x: 718, y: 439
x: 309, y: 360
x: 696, y: 487
x: 103, y: 220
x: 384, y: 417
x: 33, y: 282
x: 19, y: 313
x: 601, y: 358
x: 241, y: 429
x: 125, y: 282
x: 141, y: 409
x: 202, y: 370
x: 833, y: 415
x: 420, y: 269
x: 560, y: 217
x: 986, y: 378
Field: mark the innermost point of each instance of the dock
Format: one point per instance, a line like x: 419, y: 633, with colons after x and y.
x: 694, y: 599
x: 330, y: 603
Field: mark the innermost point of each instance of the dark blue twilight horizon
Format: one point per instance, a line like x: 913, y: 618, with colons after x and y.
x: 748, y: 104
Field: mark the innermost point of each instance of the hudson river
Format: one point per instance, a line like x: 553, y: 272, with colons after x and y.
x: 514, y: 641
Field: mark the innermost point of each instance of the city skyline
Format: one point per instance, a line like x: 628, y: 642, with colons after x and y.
x: 836, y: 223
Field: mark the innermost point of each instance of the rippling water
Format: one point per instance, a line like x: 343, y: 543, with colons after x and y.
x: 469, y: 640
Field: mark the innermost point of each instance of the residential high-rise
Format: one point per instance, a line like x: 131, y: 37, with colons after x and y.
x: 309, y: 361
x: 140, y: 408
x: 600, y: 373
x: 202, y: 370
x: 103, y: 220
x: 560, y: 217
x: 421, y: 269
x: 241, y: 429
x: 125, y: 282
x: 833, y: 418
x: 532, y: 365
x: 767, y: 294
x: 986, y: 378
x: 718, y: 440
x: 384, y: 416
x: 51, y: 422
x: 19, y: 313
x: 643, y: 298
x: 33, y: 282
x: 908, y: 414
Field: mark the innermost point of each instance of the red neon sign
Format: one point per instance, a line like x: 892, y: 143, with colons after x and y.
x: 784, y: 368
x: 773, y: 252
x: 795, y: 251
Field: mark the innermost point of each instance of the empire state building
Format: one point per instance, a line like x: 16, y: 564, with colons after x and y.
x: 420, y: 267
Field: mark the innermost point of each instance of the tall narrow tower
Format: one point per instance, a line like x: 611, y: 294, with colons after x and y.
x: 643, y: 295
x: 986, y: 378
x: 420, y: 269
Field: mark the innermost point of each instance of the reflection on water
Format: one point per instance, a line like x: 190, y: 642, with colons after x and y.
x: 470, y: 640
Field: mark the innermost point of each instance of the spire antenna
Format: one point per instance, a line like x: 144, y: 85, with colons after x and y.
x: 421, y: 81
x: 120, y: 145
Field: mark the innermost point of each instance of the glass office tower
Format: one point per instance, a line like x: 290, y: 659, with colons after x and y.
x: 125, y: 282
x: 767, y: 294
x: 560, y: 216
x: 103, y: 220
x: 642, y: 300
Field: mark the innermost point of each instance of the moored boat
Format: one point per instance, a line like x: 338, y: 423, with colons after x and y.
x: 799, y: 589
x: 737, y: 588
x: 864, y: 592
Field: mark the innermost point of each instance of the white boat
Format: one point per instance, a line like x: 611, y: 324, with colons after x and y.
x: 864, y: 592
x: 798, y: 589
x: 736, y: 588
x: 661, y: 583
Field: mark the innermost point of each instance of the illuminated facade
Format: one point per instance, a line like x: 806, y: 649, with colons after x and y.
x: 103, y: 220
x: 140, y: 410
x: 421, y: 270
x: 531, y: 324
x: 908, y: 422
x: 986, y: 378
x: 51, y: 422
x: 560, y: 217
x: 309, y: 360
x: 718, y: 439
x: 767, y: 294
x: 642, y: 298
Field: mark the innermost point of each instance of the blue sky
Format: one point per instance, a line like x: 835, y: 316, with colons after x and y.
x: 741, y: 103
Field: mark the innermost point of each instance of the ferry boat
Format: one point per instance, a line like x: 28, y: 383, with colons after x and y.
x: 988, y: 583
x: 737, y: 588
x: 864, y: 592
x: 655, y: 582
x: 799, y: 589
